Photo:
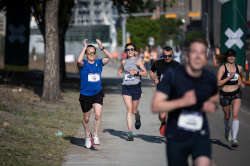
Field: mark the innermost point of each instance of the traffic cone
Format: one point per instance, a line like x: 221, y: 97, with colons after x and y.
x: 204, y: 62
x: 215, y: 64
x: 246, y: 66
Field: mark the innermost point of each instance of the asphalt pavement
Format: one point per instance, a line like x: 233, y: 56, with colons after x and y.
x: 149, y: 147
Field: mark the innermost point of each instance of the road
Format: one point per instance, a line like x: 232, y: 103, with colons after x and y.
x: 148, y: 147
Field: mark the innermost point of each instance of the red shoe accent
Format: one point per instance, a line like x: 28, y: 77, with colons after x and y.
x: 162, y: 129
x: 91, y: 136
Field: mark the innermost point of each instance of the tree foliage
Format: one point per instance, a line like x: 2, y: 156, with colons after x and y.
x: 141, y: 29
x: 170, y: 29
x: 193, y: 35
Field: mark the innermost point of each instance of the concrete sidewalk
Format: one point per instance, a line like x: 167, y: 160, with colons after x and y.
x: 148, y: 147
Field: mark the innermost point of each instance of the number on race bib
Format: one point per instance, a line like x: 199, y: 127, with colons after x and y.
x: 190, y: 121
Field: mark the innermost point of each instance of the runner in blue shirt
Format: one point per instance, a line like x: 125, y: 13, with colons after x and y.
x: 91, y: 94
x: 186, y: 93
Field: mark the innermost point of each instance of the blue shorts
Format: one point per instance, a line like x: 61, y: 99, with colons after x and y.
x: 132, y: 90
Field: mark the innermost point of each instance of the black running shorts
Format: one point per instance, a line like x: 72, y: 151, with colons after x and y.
x: 178, y: 151
x: 227, y: 97
x: 87, y: 101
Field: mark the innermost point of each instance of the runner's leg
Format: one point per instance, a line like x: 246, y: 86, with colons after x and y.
x: 202, y: 161
x: 85, y: 122
x: 235, y: 125
x: 128, y: 102
x: 135, y: 104
x: 98, y: 109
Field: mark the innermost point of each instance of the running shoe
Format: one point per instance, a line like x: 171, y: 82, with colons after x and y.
x: 96, y: 140
x: 235, y: 143
x: 130, y: 136
x: 138, y: 123
x: 88, y: 142
x: 162, y: 128
x: 228, y: 135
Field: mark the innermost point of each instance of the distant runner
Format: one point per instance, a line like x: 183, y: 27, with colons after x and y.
x: 132, y: 69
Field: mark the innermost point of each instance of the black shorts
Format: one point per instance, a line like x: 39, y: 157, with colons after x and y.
x: 132, y: 90
x: 178, y: 151
x: 227, y: 97
x: 87, y: 101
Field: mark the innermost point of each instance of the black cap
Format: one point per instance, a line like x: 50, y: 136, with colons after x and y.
x: 230, y: 52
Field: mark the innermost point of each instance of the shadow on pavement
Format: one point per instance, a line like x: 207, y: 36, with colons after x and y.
x: 218, y: 142
x: 148, y: 138
x: 77, y: 141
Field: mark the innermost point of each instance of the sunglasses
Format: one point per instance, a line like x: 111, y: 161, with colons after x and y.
x: 231, y: 55
x: 132, y: 49
x: 167, y: 56
x: 89, y: 53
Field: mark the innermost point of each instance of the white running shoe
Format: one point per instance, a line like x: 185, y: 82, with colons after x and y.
x: 235, y: 143
x: 88, y: 142
x: 96, y: 140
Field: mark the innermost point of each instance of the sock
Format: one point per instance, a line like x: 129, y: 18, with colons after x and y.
x: 235, y: 128
x: 226, y: 122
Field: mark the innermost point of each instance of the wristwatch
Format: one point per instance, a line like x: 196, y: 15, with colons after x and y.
x: 138, y: 72
x: 102, y: 48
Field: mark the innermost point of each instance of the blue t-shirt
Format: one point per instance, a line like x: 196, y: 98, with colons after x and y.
x: 175, y: 83
x: 91, y: 77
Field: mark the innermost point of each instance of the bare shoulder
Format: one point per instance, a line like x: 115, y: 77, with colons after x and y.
x: 221, y: 69
x: 123, y: 62
x: 239, y: 66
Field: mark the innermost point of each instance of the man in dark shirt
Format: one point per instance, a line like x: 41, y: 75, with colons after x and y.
x: 159, y: 67
x: 187, y: 93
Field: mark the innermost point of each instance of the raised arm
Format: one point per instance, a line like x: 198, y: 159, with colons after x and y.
x: 109, y: 56
x: 81, y: 55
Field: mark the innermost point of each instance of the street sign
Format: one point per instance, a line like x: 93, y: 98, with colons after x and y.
x: 233, y: 28
x: 172, y: 15
x: 151, y: 41
x: 194, y: 14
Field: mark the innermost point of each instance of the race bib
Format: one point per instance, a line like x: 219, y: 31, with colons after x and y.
x: 190, y: 121
x: 129, y: 77
x: 93, y: 77
x: 235, y: 78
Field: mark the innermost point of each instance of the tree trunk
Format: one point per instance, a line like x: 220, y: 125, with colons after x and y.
x: 51, y: 84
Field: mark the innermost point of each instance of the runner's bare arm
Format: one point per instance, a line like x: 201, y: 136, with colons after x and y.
x: 243, y: 76
x: 81, y: 55
x: 109, y: 56
x: 161, y: 104
x: 211, y: 104
x: 121, y: 68
x: 142, y: 67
